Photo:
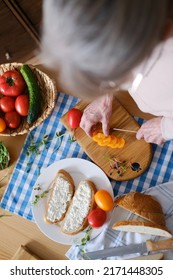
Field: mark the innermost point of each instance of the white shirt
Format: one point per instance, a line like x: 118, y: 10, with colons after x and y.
x: 152, y: 90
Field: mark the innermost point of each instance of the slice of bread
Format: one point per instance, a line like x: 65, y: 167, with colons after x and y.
x: 142, y: 205
x: 61, y: 194
x: 81, y: 205
x: 142, y: 227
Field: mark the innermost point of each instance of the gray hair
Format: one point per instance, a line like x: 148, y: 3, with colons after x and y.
x: 98, y: 41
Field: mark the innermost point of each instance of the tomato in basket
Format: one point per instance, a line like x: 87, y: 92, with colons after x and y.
x: 7, y: 104
x: 12, y: 119
x: 12, y: 83
x: 2, y: 125
x: 22, y: 104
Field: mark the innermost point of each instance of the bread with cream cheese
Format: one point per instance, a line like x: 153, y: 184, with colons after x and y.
x: 61, y: 195
x: 81, y: 205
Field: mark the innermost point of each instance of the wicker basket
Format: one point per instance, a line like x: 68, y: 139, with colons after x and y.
x: 48, y: 91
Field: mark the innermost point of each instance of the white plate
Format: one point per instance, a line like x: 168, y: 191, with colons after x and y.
x: 79, y: 169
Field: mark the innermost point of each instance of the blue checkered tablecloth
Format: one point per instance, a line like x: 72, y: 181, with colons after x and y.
x: 16, y: 198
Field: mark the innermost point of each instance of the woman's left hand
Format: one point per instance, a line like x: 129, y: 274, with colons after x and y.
x: 97, y: 111
x: 151, y: 131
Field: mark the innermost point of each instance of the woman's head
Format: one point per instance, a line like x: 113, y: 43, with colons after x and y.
x: 94, y: 42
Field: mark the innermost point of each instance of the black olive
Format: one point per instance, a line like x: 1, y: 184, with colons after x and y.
x: 135, y: 166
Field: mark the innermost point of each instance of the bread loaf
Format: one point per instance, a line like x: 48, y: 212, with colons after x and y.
x: 60, y: 197
x: 81, y: 205
x: 142, y: 205
x: 142, y: 227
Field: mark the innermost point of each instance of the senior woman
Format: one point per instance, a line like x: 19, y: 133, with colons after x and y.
x: 104, y: 45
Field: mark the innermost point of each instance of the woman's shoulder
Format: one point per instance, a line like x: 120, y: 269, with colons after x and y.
x: 168, y: 44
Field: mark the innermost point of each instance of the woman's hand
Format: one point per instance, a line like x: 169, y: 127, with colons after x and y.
x: 151, y: 131
x: 99, y: 110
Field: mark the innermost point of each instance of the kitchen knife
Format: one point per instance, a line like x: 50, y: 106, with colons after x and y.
x: 125, y: 130
x: 142, y: 248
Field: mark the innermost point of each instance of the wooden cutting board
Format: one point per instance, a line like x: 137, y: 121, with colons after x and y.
x: 134, y: 151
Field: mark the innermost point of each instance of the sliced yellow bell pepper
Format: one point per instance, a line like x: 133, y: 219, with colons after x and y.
x: 111, y: 141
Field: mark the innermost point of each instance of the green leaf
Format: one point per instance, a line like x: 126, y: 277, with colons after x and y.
x: 36, y: 147
x: 4, y: 156
x: 39, y: 196
x: 87, y: 236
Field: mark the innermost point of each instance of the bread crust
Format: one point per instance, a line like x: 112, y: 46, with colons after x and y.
x: 66, y: 177
x: 92, y: 205
x: 141, y: 227
x: 142, y: 205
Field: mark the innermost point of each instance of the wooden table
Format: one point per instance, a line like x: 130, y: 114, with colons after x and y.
x: 16, y: 231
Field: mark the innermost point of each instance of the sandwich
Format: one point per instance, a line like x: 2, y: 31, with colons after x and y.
x: 81, y: 205
x: 61, y: 195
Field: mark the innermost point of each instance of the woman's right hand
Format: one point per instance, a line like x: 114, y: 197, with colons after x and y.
x: 99, y: 110
x: 151, y: 131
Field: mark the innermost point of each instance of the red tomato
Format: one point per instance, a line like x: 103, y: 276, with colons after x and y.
x: 7, y: 104
x: 97, y: 218
x: 104, y: 200
x: 74, y: 117
x: 22, y: 105
x: 2, y: 125
x: 12, y: 119
x: 12, y: 83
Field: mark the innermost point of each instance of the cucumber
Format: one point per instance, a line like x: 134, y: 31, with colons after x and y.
x: 35, y: 98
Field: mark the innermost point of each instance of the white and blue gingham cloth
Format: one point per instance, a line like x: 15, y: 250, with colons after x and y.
x: 16, y: 198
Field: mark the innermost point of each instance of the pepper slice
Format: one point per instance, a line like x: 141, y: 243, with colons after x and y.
x: 100, y: 138
x: 104, y: 141
x: 114, y: 142
x: 98, y: 135
x: 121, y: 143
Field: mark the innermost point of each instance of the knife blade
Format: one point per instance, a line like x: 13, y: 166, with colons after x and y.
x: 125, y: 130
x: 142, y: 248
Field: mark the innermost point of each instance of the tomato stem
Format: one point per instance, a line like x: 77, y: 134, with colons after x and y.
x: 10, y: 81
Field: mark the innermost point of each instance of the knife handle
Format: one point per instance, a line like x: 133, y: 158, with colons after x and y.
x: 160, y: 245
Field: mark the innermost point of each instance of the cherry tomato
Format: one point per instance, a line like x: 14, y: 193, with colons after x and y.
x: 97, y: 218
x: 22, y: 105
x: 104, y: 200
x: 73, y: 117
x: 12, y: 119
x: 2, y: 125
x: 12, y: 83
x: 7, y: 104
